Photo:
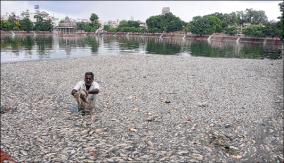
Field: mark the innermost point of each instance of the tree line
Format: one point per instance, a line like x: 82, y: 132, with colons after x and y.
x: 249, y: 22
x: 26, y: 24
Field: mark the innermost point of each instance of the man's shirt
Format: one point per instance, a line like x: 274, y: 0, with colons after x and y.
x: 81, y: 86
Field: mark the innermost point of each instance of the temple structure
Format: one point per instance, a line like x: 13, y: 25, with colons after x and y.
x: 66, y: 26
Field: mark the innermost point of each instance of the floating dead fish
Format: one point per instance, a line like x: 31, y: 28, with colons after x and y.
x: 149, y: 143
x: 151, y: 119
x: 132, y: 129
x: 167, y: 101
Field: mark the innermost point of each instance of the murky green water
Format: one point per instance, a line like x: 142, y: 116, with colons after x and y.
x: 52, y: 47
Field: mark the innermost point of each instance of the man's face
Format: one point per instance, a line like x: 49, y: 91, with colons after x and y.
x: 88, y: 80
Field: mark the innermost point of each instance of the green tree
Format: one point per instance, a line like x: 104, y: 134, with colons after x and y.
x: 6, y: 25
x: 255, y: 17
x: 129, y: 26
x: 231, y: 30
x: 107, y: 27
x: 80, y: 25
x: 240, y: 18
x: 94, y: 17
x: 171, y: 23
x: 164, y: 23
x: 132, y: 23
x: 93, y: 43
x: 215, y: 24
x: 255, y: 31
x: 272, y: 29
x: 94, y: 25
x: 204, y: 25
x: 281, y: 5
x: 42, y: 25
x: 89, y: 26
x: 154, y: 24
x: 26, y: 24
x: 13, y: 23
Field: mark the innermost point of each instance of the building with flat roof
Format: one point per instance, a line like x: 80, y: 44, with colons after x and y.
x: 165, y: 10
x: 112, y: 23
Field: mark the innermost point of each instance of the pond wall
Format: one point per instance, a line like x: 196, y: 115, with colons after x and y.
x: 213, y: 37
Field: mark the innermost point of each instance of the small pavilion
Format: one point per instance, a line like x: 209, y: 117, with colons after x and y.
x: 66, y: 26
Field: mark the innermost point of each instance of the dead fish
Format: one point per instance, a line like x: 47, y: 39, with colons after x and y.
x: 132, y: 129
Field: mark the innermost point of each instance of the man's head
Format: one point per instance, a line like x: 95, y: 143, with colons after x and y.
x: 89, y: 78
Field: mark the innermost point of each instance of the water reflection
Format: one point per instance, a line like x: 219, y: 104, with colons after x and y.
x: 93, y: 43
x: 45, y: 47
x: 159, y: 46
x: 128, y: 44
x: 29, y: 43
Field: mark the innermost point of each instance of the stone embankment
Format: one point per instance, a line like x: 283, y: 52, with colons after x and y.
x: 151, y: 108
x: 213, y: 37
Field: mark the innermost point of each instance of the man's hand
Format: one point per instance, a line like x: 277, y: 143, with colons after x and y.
x: 74, y: 92
x: 86, y: 92
x: 94, y: 91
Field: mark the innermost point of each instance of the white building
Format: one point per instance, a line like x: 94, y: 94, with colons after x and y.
x: 142, y: 24
x: 112, y: 23
x: 45, y: 15
x: 5, y: 17
x: 83, y: 20
x: 165, y: 10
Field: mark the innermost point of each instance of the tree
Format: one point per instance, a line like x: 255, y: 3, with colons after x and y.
x: 204, y: 25
x: 272, y: 29
x: 107, y: 27
x: 129, y: 26
x: 13, y: 23
x: 281, y: 5
x: 42, y: 25
x: 132, y: 23
x: 80, y: 25
x: 154, y: 24
x: 89, y: 26
x: 240, y: 18
x: 6, y: 25
x: 171, y: 23
x: 254, y: 16
x: 94, y: 17
x: 26, y: 24
x: 94, y: 25
x: 231, y: 30
x: 215, y: 24
x: 255, y: 31
x: 164, y: 23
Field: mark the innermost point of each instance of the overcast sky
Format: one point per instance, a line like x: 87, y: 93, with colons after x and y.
x: 139, y: 10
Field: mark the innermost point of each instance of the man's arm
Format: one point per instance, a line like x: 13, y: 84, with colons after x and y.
x: 94, y: 91
x: 95, y: 88
x: 73, y: 92
x: 76, y: 88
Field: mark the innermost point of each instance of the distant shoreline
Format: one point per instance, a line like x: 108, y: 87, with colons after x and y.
x: 183, y: 36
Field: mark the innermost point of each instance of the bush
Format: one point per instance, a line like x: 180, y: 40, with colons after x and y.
x: 232, y: 30
x: 255, y: 31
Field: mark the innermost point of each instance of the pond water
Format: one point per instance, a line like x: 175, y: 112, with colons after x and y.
x: 52, y: 47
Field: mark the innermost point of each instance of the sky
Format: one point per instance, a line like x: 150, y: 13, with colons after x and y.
x: 139, y: 10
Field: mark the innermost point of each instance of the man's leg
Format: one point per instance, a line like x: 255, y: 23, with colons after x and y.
x: 81, y: 107
x: 91, y: 101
